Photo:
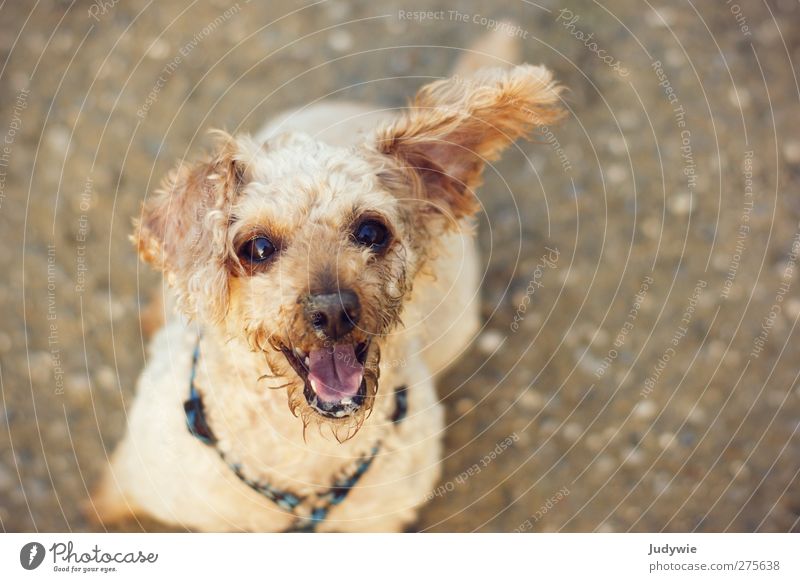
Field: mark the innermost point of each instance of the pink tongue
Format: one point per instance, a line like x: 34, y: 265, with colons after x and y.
x: 336, y: 374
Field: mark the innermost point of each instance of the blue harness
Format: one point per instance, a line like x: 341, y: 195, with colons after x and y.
x: 197, y: 423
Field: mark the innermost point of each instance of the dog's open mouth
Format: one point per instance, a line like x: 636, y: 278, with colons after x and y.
x: 334, y: 379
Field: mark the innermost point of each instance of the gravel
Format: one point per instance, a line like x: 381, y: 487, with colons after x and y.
x: 692, y: 424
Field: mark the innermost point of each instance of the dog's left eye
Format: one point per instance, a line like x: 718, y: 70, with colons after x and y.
x: 371, y: 233
x: 257, y: 250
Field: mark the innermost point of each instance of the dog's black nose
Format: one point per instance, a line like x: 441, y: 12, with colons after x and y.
x: 335, y: 314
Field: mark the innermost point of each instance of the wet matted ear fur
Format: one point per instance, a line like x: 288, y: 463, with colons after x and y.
x: 454, y: 126
x: 182, y: 229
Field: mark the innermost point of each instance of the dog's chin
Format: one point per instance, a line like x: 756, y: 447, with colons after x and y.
x: 337, y: 384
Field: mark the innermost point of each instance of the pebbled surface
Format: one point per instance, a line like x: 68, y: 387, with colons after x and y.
x: 580, y: 407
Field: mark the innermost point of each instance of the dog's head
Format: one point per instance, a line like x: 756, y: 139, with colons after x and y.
x: 309, y: 251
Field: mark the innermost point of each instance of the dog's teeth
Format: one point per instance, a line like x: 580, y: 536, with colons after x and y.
x: 313, y: 385
x: 307, y: 362
x: 346, y: 401
x: 340, y: 413
x: 299, y: 353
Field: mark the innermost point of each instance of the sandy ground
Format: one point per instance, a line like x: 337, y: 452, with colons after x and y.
x: 641, y: 271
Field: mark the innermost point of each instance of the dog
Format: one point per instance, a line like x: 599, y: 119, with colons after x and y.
x: 323, y: 274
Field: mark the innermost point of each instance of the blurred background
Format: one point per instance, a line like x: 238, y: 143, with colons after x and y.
x: 641, y: 288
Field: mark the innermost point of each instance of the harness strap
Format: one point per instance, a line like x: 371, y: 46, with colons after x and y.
x: 198, y: 426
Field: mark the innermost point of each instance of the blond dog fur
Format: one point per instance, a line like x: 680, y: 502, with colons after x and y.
x: 303, y: 180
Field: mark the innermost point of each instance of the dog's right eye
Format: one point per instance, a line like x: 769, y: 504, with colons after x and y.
x: 371, y: 233
x: 257, y: 250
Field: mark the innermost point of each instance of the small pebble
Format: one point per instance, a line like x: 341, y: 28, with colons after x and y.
x: 687, y: 438
x: 645, y: 410
x: 337, y: 10
x: 464, y: 405
x: 41, y: 366
x: 629, y: 119
x: 587, y: 362
x: 680, y: 204
x: 77, y: 386
x: 489, y: 341
x: 768, y: 32
x: 661, y: 18
x: 524, y: 439
x: 716, y: 348
x: 739, y: 494
x: 159, y: 49
x: 633, y: 456
x: 531, y: 400
x: 572, y: 431
x: 106, y: 378
x: 791, y: 151
x: 618, y: 145
x: 739, y: 470
x: 739, y: 97
x: 697, y: 415
x: 674, y: 57
x: 594, y: 441
x: 116, y: 308
x: 548, y: 427
x: 791, y: 309
x: 601, y: 337
x: 605, y: 465
x: 340, y: 40
x: 650, y: 227
x: 616, y: 173
x: 58, y: 138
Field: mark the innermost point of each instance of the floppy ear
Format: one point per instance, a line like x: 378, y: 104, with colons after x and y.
x: 454, y: 126
x: 182, y: 229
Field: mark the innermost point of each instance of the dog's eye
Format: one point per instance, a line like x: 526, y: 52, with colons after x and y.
x: 371, y: 233
x: 257, y: 250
